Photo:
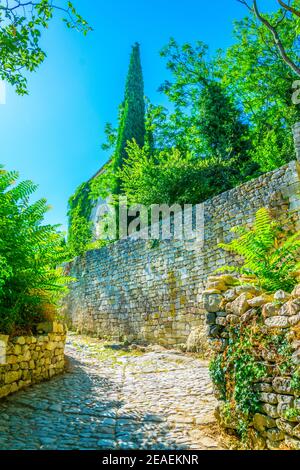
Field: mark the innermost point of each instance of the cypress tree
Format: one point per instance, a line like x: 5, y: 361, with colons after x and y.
x: 132, y: 116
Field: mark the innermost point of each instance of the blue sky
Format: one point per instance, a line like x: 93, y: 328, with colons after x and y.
x: 54, y: 135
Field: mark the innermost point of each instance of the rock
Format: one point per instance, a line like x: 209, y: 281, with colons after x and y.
x: 262, y: 422
x: 295, y: 344
x: 230, y: 295
x: 211, y: 291
x: 296, y: 431
x: 285, y: 426
x: 210, y: 318
x: 12, y: 376
x: 282, y: 385
x: 214, y: 331
x: 277, y: 322
x: 270, y: 410
x: 288, y: 399
x: 263, y: 387
x: 273, y: 445
x: 290, y: 308
x: 249, y: 315
x: 293, y: 443
x: 260, y: 300
x: 296, y: 291
x: 296, y: 358
x: 268, y: 398
x: 257, y: 441
x: 282, y: 296
x: 233, y: 319
x: 270, y: 309
x: 197, y: 341
x: 211, y: 302
x: 20, y: 340
x: 294, y: 319
x: 221, y: 314
x: 275, y: 434
x: 240, y: 305
x: 219, y: 285
x: 221, y: 321
x: 269, y: 355
x: 230, y: 280
x: 247, y: 288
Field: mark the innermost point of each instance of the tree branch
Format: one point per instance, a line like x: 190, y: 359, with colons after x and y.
x: 276, y: 37
x: 289, y: 8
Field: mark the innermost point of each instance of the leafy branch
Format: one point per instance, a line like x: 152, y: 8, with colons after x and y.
x: 21, y: 23
x: 274, y: 31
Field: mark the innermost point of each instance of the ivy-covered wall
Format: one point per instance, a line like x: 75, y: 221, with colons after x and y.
x: 255, y: 337
x: 140, y: 290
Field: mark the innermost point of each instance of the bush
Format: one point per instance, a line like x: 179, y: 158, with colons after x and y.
x: 30, y: 251
x: 171, y: 176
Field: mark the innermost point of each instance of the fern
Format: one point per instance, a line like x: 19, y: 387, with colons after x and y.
x: 269, y: 252
x: 30, y: 252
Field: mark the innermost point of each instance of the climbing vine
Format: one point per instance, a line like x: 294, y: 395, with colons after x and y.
x: 79, y: 213
x: 236, y: 371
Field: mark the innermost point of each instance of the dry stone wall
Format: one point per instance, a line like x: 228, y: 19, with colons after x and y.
x: 26, y: 360
x: 234, y: 307
x: 151, y: 291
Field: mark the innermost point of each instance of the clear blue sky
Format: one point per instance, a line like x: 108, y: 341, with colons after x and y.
x: 54, y: 135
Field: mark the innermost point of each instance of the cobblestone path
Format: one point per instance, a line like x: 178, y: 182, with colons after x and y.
x: 111, y: 398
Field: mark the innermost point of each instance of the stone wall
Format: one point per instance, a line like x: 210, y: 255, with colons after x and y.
x: 26, y: 360
x: 151, y: 291
x: 233, y: 308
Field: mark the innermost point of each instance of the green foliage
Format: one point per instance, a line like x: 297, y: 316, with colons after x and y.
x: 254, y: 73
x: 295, y: 382
x: 102, y: 185
x: 234, y: 373
x: 217, y: 371
x: 132, y: 112
x: 205, y: 122
x: 80, y: 227
x: 170, y: 176
x: 30, y: 282
x: 21, y: 25
x: 268, y: 251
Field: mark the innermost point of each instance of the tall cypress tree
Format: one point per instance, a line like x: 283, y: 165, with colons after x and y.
x: 132, y: 116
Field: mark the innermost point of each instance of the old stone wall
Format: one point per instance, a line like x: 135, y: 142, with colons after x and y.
x: 268, y: 325
x: 26, y: 360
x: 151, y: 290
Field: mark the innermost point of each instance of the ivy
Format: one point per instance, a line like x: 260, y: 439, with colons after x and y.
x: 80, y: 225
x: 234, y: 373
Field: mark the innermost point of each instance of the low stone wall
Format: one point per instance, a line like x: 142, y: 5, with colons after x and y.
x: 232, y: 308
x: 26, y: 360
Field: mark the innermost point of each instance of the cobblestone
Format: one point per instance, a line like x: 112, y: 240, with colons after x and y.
x: 114, y: 398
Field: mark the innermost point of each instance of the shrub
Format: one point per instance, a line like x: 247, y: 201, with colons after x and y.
x: 30, y: 251
x: 171, y: 176
x: 270, y: 254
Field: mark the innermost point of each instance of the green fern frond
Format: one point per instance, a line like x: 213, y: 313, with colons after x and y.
x: 272, y: 261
